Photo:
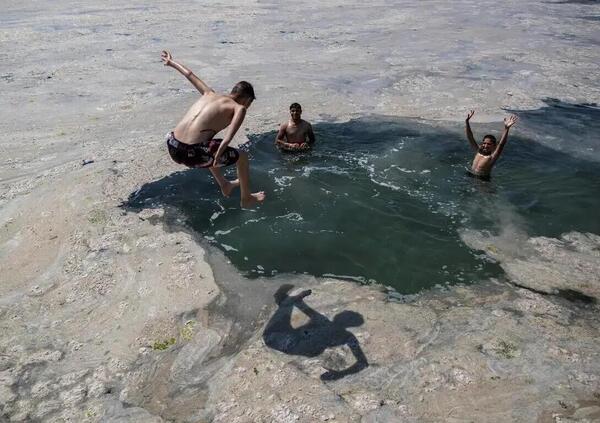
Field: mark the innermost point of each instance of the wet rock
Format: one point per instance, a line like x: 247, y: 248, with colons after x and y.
x: 75, y: 346
x: 591, y: 413
x: 21, y: 411
x: 43, y: 356
x: 569, y: 265
x: 117, y: 413
x: 8, y: 377
x: 501, y: 349
x: 96, y: 388
x: 73, y: 396
x: 72, y: 378
x: 187, y: 368
x: 42, y: 389
x: 5, y: 362
x: 384, y: 414
x: 363, y: 402
x: 283, y: 414
x: 46, y: 407
x: 151, y: 214
x: 6, y: 395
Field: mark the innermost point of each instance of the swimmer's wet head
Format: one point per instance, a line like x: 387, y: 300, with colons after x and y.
x: 488, y: 145
x: 296, y: 112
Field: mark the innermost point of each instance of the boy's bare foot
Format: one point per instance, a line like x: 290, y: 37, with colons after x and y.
x: 253, y: 199
x: 229, y: 186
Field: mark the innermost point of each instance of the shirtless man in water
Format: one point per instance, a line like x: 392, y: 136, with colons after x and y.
x: 192, y: 142
x: 296, y: 134
x: 488, y: 151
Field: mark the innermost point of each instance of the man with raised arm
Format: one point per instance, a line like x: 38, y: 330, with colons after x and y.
x: 192, y: 142
x: 488, y: 151
x: 296, y: 134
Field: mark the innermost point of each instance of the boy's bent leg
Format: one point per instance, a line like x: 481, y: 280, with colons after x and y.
x: 248, y: 199
x: 225, y: 185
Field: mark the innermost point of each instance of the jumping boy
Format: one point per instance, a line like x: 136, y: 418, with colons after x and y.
x: 296, y: 134
x: 192, y: 142
x: 488, y: 151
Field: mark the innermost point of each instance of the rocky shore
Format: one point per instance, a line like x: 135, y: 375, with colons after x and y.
x: 111, y: 315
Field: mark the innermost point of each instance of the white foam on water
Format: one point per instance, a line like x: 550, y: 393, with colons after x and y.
x: 385, y: 184
x: 331, y: 169
x: 228, y: 247
x: 358, y: 279
x: 249, y: 221
x: 294, y: 217
x: 216, y: 214
x: 508, y: 239
x: 284, y: 181
x: 226, y: 232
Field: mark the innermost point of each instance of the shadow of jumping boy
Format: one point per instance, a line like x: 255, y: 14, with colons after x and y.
x: 314, y: 337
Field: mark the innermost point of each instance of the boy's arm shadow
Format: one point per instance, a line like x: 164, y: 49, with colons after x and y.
x: 315, y: 317
x: 360, y: 364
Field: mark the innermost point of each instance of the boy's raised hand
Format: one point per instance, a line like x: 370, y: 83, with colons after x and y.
x: 470, y: 114
x: 166, y: 57
x: 510, y: 121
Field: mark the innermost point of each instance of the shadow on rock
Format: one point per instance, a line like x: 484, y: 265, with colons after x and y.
x: 314, y: 337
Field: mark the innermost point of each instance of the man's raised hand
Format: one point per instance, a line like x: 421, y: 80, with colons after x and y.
x: 470, y: 115
x: 166, y: 57
x: 510, y: 121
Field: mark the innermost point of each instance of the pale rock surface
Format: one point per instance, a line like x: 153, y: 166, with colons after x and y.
x: 108, y: 315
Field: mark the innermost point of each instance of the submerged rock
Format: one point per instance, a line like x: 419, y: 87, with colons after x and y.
x: 569, y: 266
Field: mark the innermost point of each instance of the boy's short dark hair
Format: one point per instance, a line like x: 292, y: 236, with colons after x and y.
x: 490, y: 137
x: 295, y: 106
x: 243, y: 89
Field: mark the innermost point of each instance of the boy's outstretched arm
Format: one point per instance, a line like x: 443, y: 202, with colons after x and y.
x: 508, y: 122
x: 196, y: 82
x: 470, y: 137
x: 238, y: 117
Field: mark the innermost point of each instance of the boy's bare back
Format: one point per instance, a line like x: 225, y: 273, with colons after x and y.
x: 209, y: 115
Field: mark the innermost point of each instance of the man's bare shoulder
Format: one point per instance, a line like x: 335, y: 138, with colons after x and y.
x: 305, y: 125
x: 213, y: 96
x: 223, y: 102
x: 208, y: 98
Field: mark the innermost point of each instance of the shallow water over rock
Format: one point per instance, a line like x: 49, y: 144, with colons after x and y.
x: 383, y: 199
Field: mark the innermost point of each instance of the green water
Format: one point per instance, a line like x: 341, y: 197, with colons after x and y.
x: 381, y: 199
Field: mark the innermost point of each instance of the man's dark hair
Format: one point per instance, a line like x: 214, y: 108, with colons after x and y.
x: 490, y: 137
x: 295, y: 106
x: 243, y: 89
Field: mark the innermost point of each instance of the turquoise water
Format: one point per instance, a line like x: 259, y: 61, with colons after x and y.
x: 382, y: 199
